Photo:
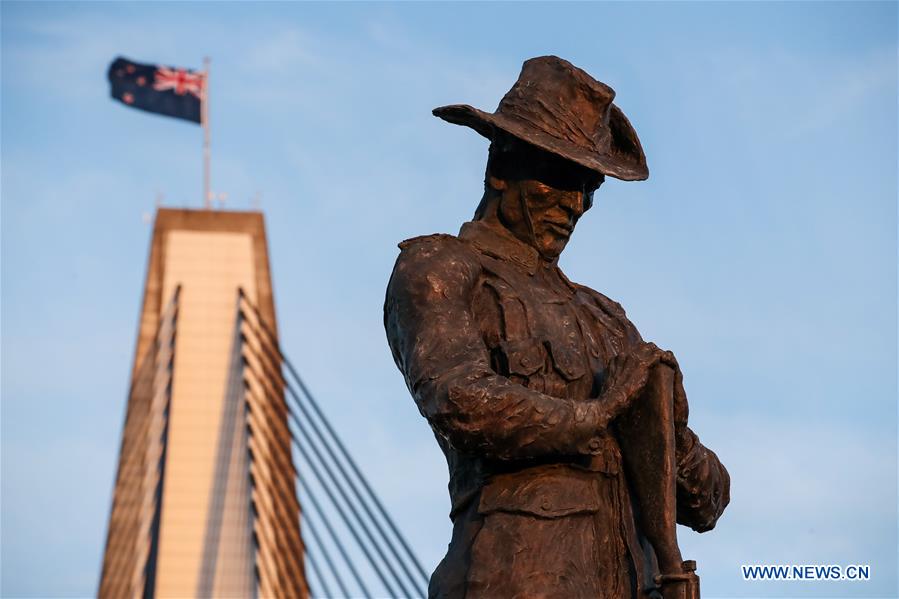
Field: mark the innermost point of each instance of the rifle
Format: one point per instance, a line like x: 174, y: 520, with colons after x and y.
x: 646, y: 436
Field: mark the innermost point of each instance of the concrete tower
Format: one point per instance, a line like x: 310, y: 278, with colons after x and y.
x: 204, y: 502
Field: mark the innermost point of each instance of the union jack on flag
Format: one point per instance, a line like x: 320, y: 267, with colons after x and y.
x: 181, y: 81
x: 159, y: 89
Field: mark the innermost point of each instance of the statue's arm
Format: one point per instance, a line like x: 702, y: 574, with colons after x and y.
x: 437, y: 345
x: 703, y: 484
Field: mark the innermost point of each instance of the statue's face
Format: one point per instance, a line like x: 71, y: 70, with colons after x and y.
x: 556, y: 198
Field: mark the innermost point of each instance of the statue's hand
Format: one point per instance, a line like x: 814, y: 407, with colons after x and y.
x: 628, y: 374
x: 681, y: 408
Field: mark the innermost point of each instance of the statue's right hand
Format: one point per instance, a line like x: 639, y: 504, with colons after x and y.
x: 628, y: 374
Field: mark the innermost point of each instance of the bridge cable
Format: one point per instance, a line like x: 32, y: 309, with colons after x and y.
x: 333, y: 569
x: 321, y: 579
x: 343, y: 451
x: 348, y: 481
x: 315, y: 504
x: 343, y: 515
x: 305, y: 488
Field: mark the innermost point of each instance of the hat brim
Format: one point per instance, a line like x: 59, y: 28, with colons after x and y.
x: 624, y: 160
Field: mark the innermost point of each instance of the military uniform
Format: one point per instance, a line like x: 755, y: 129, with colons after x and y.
x: 502, y: 354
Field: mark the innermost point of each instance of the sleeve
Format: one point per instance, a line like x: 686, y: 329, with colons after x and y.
x: 703, y: 485
x: 437, y: 345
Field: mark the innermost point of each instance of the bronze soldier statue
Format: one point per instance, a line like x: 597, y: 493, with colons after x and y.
x: 565, y: 433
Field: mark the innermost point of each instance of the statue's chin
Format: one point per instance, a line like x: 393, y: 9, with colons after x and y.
x: 551, y: 246
x: 551, y: 252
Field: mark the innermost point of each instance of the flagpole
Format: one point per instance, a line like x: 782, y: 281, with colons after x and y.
x: 204, y: 112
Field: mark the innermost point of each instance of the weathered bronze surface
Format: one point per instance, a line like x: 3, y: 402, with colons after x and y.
x: 565, y: 433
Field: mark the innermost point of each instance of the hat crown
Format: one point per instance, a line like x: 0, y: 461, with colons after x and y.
x: 559, y: 108
x: 561, y: 100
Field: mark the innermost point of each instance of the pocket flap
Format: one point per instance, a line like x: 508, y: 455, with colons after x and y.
x: 545, y: 494
x: 524, y: 356
x: 567, y: 361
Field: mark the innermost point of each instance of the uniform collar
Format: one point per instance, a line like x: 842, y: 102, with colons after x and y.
x: 498, y: 242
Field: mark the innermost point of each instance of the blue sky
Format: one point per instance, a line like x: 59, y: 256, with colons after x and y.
x: 762, y: 250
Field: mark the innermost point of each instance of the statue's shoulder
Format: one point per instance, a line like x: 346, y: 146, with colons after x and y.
x: 436, y: 257
x: 605, y: 302
x: 435, y: 248
x: 432, y: 242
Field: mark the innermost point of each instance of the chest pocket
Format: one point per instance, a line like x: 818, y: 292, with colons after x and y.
x: 522, y: 357
x: 567, y: 362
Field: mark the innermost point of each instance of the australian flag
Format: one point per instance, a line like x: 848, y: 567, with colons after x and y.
x: 154, y: 88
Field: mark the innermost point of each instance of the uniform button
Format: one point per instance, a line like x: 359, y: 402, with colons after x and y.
x: 545, y: 505
x: 594, y: 445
